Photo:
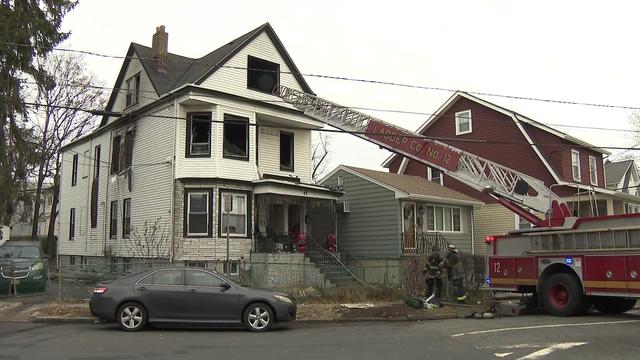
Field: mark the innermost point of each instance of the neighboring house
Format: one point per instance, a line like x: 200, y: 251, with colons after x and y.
x: 186, y: 134
x: 623, y: 176
x: 384, y: 216
x: 22, y: 222
x: 518, y: 142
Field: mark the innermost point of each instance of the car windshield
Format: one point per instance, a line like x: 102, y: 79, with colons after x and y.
x: 13, y: 251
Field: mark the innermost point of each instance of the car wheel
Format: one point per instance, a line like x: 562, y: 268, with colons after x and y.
x: 132, y: 317
x: 562, y: 296
x: 258, y: 317
x: 613, y: 305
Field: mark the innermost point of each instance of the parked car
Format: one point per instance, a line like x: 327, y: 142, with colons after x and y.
x: 24, y: 262
x: 188, y: 295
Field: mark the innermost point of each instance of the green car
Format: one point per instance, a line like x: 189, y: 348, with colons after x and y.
x: 23, y: 263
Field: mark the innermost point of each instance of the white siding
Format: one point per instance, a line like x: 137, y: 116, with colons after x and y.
x: 147, y: 92
x: 269, y: 152
x: 234, y: 81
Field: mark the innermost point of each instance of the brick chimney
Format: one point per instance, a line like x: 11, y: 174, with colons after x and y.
x: 159, y: 49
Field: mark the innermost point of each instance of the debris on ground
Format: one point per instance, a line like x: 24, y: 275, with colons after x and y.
x: 63, y: 310
x: 357, y: 306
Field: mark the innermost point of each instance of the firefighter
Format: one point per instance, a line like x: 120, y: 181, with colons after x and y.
x: 433, y: 271
x: 455, y: 273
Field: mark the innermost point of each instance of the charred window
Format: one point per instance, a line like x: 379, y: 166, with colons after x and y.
x: 236, y: 138
x: 198, y: 135
x: 286, y: 151
x: 262, y: 75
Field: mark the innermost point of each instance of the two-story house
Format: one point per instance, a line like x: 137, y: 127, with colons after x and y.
x: 624, y: 176
x: 180, y: 138
x: 572, y: 168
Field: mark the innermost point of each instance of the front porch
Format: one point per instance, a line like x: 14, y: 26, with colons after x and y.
x: 287, y: 213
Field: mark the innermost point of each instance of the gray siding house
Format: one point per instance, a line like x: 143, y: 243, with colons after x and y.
x: 384, y: 215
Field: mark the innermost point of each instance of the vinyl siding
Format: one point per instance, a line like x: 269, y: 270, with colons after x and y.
x: 147, y: 91
x: 372, y: 228
x: 491, y: 219
x: 232, y: 80
x: 269, y: 152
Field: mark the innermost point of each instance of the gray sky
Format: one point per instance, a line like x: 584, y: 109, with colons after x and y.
x: 567, y: 50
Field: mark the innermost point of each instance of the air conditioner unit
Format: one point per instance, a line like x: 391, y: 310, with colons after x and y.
x: 345, y: 206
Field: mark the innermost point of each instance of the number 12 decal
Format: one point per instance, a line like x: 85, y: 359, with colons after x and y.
x: 496, y: 267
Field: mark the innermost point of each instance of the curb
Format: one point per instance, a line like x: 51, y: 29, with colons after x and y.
x: 56, y: 319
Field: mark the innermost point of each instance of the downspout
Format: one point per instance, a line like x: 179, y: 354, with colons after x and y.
x: 473, y: 235
x: 173, y: 181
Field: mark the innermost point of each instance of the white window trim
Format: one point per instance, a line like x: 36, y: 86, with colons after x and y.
x: 593, y: 170
x: 579, y: 176
x: 189, y: 193
x: 452, y: 222
x: 340, y: 181
x: 430, y: 177
x: 457, y: 116
x: 223, y: 214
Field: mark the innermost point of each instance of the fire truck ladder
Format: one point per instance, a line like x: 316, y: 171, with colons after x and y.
x: 513, y: 189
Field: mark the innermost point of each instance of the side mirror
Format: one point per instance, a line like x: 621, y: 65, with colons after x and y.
x: 45, y: 257
x: 225, y: 286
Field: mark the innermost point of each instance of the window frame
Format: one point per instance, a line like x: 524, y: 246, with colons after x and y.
x: 131, y: 98
x: 72, y: 224
x: 115, y: 153
x: 126, y: 225
x: 188, y: 139
x: 452, y: 211
x: 431, y: 178
x: 250, y: 72
x: 291, y: 152
x: 247, y: 214
x: 573, y: 174
x: 113, y: 220
x: 74, y: 170
x: 458, y: 116
x: 593, y: 170
x: 97, y: 153
x: 187, y: 205
x: 230, y: 118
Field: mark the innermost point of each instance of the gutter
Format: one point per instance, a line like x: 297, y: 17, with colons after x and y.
x: 439, y: 200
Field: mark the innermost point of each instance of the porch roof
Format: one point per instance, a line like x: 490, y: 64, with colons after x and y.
x: 282, y: 187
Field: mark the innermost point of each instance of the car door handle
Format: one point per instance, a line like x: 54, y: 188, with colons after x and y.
x: 142, y: 288
x: 192, y: 291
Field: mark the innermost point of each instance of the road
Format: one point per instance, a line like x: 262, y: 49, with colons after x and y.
x: 526, y: 337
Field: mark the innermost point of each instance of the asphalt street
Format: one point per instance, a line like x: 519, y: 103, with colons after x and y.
x: 519, y: 338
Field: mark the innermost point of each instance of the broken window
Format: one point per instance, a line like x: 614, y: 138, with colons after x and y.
x: 262, y: 75
x: 198, y: 135
x: 286, y: 151
x: 133, y: 90
x: 236, y: 137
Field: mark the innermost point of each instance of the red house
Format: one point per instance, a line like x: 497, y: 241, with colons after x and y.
x: 572, y: 167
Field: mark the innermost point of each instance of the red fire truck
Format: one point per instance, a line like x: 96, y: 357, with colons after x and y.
x: 568, y: 263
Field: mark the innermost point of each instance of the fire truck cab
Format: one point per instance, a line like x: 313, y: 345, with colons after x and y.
x: 594, y: 261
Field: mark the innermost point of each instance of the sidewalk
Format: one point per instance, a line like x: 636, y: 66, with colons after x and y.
x: 14, y: 310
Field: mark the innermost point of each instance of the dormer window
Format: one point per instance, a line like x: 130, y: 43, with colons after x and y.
x: 463, y: 122
x: 262, y: 75
x: 133, y: 90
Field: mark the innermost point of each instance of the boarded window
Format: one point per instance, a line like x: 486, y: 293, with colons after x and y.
x: 236, y: 137
x: 198, y: 135
x: 286, y: 151
x: 262, y: 75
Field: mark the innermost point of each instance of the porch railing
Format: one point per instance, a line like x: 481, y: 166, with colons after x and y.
x: 339, y: 266
x: 422, y: 243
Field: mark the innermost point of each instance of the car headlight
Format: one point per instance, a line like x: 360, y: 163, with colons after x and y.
x: 283, y: 299
x: 37, y: 266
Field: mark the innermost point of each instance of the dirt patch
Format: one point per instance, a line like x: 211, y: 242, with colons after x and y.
x: 395, y: 311
x: 318, y: 312
x: 74, y: 309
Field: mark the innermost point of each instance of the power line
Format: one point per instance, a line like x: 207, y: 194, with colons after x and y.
x: 488, y: 142
x: 352, y: 79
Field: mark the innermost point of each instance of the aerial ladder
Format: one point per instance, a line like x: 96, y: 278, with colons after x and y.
x: 516, y: 191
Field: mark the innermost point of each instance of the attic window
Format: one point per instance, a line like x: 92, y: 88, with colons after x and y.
x: 133, y: 90
x: 262, y: 75
x: 463, y: 122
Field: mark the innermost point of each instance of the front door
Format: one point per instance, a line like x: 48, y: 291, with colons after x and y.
x: 209, y: 300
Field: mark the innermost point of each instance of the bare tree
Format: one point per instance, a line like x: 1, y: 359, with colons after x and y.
x: 61, y: 117
x: 152, y: 241
x: 320, y: 156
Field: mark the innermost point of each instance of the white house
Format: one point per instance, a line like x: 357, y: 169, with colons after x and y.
x: 623, y: 176
x: 180, y: 133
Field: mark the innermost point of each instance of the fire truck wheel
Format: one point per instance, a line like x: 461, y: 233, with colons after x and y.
x: 562, y: 296
x: 613, y: 305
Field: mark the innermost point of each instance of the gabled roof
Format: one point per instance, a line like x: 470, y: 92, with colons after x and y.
x: 409, y: 185
x: 183, y: 70
x: 517, y: 118
x: 616, y: 171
